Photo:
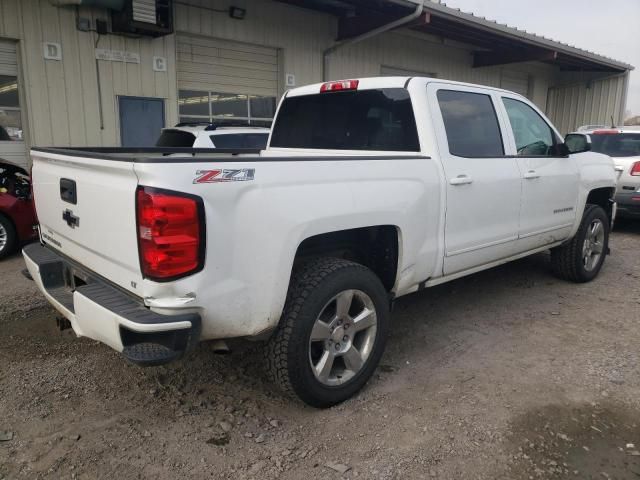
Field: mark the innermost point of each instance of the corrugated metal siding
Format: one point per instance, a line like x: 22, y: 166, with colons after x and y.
x: 594, y: 102
x: 8, y: 58
x: 62, y: 96
x: 387, y: 71
x: 9, y: 14
x: 408, y: 51
x: 226, y: 67
x: 300, y: 34
x: 515, y: 81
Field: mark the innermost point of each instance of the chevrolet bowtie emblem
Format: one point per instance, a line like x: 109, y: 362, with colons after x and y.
x: 70, y: 218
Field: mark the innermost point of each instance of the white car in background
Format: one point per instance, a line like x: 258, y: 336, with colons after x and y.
x: 208, y: 135
x: 584, y: 128
x: 622, y: 144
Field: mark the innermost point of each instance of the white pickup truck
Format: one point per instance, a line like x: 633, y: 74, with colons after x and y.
x: 368, y: 190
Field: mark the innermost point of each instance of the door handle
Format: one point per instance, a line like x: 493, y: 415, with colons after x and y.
x: 618, y: 168
x: 461, y: 180
x: 531, y: 174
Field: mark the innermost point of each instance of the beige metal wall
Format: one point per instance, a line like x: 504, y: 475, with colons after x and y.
x: 303, y: 35
x: 448, y: 60
x: 588, y: 102
x: 61, y: 97
x: 300, y: 34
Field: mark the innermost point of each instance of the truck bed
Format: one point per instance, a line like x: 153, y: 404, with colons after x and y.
x: 204, y: 155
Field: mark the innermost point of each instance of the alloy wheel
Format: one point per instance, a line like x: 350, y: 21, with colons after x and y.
x: 593, y: 246
x: 342, y: 337
x: 3, y: 237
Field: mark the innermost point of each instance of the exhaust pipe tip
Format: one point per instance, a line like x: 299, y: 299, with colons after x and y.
x: 220, y: 347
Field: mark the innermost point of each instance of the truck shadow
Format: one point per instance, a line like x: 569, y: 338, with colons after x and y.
x: 627, y: 225
x: 429, y: 328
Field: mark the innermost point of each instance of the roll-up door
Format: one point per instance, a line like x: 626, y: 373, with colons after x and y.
x: 12, y: 145
x: 226, y: 82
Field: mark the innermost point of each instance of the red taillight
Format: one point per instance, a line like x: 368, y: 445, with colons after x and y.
x: 339, y: 86
x: 635, y: 170
x: 606, y: 132
x: 171, y: 233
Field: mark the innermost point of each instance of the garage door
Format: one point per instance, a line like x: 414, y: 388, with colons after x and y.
x: 226, y: 82
x: 515, y: 81
x: 12, y: 145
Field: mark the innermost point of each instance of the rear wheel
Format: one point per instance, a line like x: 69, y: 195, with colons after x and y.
x: 332, y: 333
x: 8, y: 237
x: 581, y: 259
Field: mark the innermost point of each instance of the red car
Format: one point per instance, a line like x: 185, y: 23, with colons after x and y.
x: 17, y: 213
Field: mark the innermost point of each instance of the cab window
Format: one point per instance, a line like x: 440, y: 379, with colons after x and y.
x: 533, y: 136
x: 379, y: 119
x: 471, y: 124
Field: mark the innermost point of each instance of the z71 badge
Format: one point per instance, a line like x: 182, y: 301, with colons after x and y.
x: 225, y: 175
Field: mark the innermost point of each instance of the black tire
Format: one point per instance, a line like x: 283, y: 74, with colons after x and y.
x: 11, y: 237
x: 287, y: 353
x: 567, y: 260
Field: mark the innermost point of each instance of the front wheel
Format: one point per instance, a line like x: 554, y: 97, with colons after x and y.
x: 332, y: 333
x: 581, y: 259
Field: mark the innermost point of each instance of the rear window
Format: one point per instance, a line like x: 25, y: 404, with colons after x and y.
x: 240, y: 140
x: 175, y: 138
x: 617, y: 145
x: 353, y: 120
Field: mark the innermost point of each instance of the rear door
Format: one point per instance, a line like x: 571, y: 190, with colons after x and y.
x: 550, y: 182
x: 86, y: 210
x: 483, y: 184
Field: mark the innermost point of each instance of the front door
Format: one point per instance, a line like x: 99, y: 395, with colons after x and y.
x: 550, y: 182
x: 141, y: 120
x: 482, y: 184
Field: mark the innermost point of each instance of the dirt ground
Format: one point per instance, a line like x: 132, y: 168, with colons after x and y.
x: 507, y: 374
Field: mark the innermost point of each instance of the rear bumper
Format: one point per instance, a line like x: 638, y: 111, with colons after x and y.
x: 628, y: 204
x: 99, y: 310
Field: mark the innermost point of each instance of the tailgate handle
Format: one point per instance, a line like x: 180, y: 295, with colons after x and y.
x: 68, y: 191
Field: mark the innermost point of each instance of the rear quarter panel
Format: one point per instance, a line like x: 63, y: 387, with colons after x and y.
x: 254, y: 227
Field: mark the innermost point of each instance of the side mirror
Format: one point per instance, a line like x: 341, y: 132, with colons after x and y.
x: 578, y: 142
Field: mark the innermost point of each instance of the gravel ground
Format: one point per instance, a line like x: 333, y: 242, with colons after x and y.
x: 509, y: 373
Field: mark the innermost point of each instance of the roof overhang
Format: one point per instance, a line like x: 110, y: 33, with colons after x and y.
x: 493, y: 43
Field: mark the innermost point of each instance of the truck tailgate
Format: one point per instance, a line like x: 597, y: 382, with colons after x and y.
x: 86, y: 210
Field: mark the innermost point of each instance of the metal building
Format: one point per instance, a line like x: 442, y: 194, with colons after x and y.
x: 112, y: 72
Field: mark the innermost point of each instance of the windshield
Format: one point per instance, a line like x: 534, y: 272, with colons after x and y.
x: 350, y: 120
x: 240, y: 140
x: 617, y: 145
